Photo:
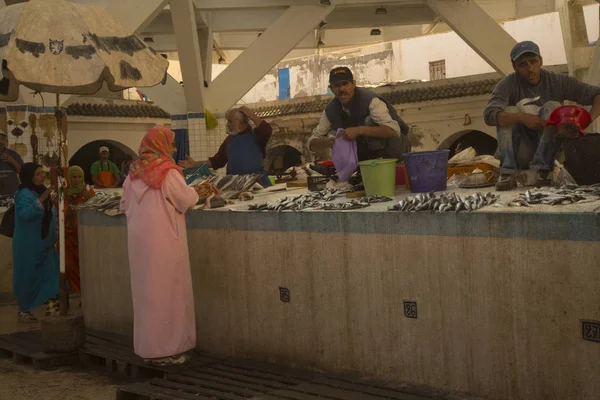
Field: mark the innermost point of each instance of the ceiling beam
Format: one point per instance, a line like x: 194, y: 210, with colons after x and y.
x: 364, y: 17
x: 478, y: 30
x: 233, y: 4
x: 245, y: 20
x: 250, y: 20
x: 264, y: 53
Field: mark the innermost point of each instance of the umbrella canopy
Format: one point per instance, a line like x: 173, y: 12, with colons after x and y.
x: 62, y: 47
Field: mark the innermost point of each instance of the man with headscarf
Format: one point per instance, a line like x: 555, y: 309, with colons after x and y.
x: 363, y: 116
x: 155, y: 200
x: 10, y: 166
x: 244, y: 149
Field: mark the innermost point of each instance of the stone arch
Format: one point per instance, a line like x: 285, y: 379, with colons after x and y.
x: 88, y: 154
x: 480, y: 141
x: 281, y: 157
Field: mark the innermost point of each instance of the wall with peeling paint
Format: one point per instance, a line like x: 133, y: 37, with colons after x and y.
x: 414, y: 55
x: 430, y: 123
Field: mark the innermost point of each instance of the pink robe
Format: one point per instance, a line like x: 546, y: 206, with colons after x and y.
x: 159, y: 262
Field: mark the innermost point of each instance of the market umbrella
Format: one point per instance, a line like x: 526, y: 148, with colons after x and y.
x: 62, y: 47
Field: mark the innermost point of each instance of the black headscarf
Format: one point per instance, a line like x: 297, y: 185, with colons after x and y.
x: 27, y: 173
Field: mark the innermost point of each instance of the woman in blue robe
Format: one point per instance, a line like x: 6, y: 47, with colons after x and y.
x: 35, y: 259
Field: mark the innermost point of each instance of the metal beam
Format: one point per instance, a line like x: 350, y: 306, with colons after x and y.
x: 478, y: 30
x: 263, y: 54
x: 572, y: 24
x: 206, y: 40
x: 186, y: 33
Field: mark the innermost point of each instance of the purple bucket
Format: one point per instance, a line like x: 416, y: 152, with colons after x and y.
x: 427, y: 170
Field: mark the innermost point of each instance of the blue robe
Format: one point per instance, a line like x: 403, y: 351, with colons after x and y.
x: 35, y: 260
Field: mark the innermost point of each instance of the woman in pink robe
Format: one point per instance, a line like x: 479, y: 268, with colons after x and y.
x: 155, y: 199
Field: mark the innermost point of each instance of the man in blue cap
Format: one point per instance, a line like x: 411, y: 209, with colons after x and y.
x: 520, y: 106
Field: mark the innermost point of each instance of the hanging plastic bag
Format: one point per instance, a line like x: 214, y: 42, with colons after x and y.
x: 211, y: 120
x: 344, y: 156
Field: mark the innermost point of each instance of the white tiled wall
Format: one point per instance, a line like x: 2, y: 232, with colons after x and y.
x: 205, y: 143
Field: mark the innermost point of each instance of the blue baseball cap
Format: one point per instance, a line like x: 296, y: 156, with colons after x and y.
x: 524, y: 48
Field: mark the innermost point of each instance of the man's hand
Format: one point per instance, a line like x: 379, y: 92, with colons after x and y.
x: 251, y: 114
x: 187, y: 163
x: 4, y: 157
x: 533, y: 122
x: 47, y: 193
x: 247, y: 112
x: 349, y: 133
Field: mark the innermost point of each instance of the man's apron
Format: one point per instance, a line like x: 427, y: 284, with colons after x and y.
x: 106, y: 178
x: 244, y: 156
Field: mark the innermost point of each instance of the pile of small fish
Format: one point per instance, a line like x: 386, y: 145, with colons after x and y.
x: 230, y: 186
x: 306, y: 201
x: 445, y: 202
x: 206, y: 189
x: 557, y: 196
x: 102, y: 201
x: 7, y: 200
x: 355, y: 203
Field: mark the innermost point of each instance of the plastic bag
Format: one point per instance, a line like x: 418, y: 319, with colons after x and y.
x: 344, y: 156
x: 561, y: 176
x: 466, y: 155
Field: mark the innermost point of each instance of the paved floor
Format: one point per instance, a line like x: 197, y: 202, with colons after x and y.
x: 22, y: 382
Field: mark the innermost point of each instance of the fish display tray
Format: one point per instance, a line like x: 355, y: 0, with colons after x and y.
x: 114, y: 354
x: 244, y: 379
x: 27, y: 347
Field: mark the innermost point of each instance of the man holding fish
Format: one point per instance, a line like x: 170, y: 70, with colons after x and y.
x: 520, y: 107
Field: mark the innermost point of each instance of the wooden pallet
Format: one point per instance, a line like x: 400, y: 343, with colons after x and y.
x: 114, y: 354
x: 27, y: 347
x: 229, y: 380
x: 241, y: 379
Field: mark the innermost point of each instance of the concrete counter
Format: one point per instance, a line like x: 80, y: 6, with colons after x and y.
x: 499, y: 295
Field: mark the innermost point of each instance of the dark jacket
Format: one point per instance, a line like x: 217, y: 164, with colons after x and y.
x: 368, y: 147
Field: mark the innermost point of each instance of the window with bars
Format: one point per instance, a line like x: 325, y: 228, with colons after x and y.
x: 437, y: 70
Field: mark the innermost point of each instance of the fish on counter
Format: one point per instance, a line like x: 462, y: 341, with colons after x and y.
x: 301, y: 202
x: 7, y: 200
x: 445, y: 202
x: 102, y: 201
x: 230, y: 186
x: 564, y: 195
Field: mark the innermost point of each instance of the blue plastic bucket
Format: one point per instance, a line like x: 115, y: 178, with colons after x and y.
x: 427, y: 170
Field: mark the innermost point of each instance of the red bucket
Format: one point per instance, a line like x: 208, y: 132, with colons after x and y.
x: 400, y: 175
x: 571, y: 115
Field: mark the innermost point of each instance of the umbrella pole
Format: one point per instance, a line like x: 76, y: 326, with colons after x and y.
x: 61, y: 211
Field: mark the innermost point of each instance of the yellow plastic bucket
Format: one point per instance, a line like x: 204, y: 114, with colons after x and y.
x: 379, y: 176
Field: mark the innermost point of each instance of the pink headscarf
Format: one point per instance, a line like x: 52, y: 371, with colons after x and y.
x: 155, y: 161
